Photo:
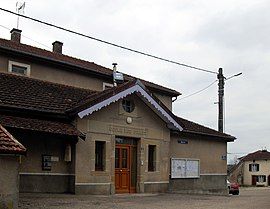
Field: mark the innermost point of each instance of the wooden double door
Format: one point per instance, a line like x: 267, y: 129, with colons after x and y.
x: 125, y: 168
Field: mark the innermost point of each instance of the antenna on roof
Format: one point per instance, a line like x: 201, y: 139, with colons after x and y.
x: 20, y: 10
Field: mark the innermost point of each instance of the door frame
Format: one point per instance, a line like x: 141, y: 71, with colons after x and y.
x: 131, y: 189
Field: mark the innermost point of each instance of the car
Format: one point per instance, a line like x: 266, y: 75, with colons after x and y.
x: 233, y: 188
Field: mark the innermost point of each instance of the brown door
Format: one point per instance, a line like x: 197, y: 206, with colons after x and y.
x: 122, y: 169
x: 254, y: 180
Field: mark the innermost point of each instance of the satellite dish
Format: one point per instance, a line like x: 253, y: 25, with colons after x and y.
x: 118, y: 77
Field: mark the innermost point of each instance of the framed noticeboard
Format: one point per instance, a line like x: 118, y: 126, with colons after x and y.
x: 185, y: 168
x: 46, y: 162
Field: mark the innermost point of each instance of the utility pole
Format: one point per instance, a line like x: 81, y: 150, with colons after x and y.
x: 220, y: 99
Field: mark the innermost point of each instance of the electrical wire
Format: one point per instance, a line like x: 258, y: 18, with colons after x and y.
x: 197, y: 92
x: 109, y: 43
x: 27, y: 37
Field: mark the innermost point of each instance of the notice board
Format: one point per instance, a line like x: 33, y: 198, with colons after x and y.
x: 185, y: 168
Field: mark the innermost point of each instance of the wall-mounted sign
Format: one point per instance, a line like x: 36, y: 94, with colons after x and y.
x: 182, y: 141
x: 46, y: 162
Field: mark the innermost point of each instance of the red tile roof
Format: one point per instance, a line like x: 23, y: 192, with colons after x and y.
x: 40, y: 125
x: 8, y: 45
x: 8, y: 144
x: 32, y: 94
x: 191, y: 127
x: 101, y: 96
x: 258, y: 155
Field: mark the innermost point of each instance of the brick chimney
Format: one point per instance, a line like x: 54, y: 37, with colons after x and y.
x: 57, y: 47
x: 15, y: 35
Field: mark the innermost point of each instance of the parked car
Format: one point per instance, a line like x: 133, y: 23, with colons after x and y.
x: 233, y: 188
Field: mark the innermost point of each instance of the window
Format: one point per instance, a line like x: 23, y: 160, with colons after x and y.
x: 107, y: 86
x: 99, y: 155
x: 254, y: 167
x: 19, y: 68
x: 261, y: 178
x: 151, y: 157
x: 128, y: 105
x: 185, y: 168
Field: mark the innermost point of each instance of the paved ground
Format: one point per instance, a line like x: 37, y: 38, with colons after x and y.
x: 249, y: 198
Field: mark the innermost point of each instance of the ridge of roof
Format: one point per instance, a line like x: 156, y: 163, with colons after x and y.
x: 257, y: 155
x: 135, y: 86
x: 192, y: 127
x: 73, y: 61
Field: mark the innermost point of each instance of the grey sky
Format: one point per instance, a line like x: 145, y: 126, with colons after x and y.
x: 232, y: 34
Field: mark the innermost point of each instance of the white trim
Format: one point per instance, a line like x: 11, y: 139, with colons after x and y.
x: 156, y: 182
x: 106, y: 84
x: 92, y: 184
x: 213, y: 174
x: 47, y: 174
x: 136, y: 88
x: 28, y: 67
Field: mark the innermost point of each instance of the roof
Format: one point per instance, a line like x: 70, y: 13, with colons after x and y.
x: 40, y: 125
x: 258, y: 155
x: 105, y: 98
x: 8, y: 144
x: 32, y: 94
x: 43, y: 96
x: 195, y: 128
x: 79, y: 64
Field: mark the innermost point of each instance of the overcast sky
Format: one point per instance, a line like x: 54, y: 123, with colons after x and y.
x: 232, y: 34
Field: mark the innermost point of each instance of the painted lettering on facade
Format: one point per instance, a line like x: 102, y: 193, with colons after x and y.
x: 122, y: 130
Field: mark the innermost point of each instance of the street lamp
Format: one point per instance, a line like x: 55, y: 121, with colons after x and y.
x: 221, y: 83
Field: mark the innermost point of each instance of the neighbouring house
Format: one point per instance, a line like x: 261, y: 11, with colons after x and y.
x: 10, y: 153
x: 86, y: 136
x: 252, y: 169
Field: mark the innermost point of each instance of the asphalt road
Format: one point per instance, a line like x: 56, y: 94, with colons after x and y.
x: 249, y: 198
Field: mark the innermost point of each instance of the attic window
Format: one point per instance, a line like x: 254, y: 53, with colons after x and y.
x: 19, y: 68
x: 128, y: 105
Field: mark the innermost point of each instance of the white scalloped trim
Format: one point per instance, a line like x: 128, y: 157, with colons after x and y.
x: 137, y: 88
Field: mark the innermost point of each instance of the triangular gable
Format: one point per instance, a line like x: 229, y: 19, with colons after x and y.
x: 137, y: 88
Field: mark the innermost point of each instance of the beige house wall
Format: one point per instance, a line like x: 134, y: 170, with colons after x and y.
x: 213, y: 169
x: 56, y: 75
x: 209, y: 152
x: 264, y: 169
x: 166, y: 100
x: 32, y: 177
x: 9, y: 181
x: 109, y: 122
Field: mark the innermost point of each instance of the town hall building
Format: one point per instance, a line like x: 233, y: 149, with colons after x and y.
x: 85, y: 135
